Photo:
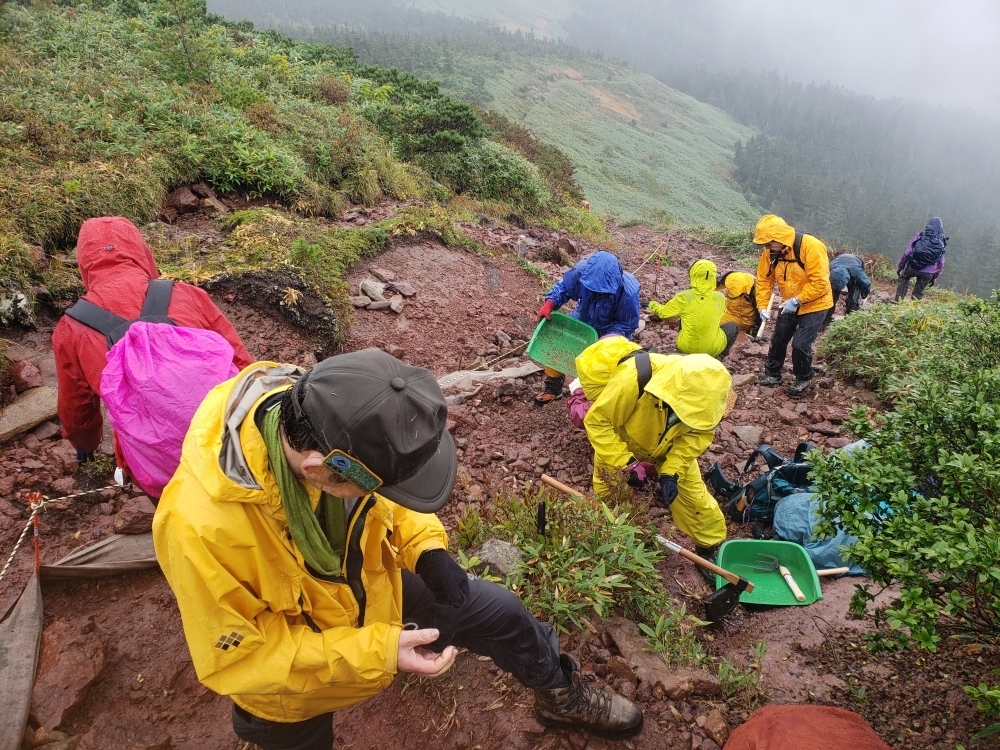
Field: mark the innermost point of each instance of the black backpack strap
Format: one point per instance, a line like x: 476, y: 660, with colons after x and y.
x: 797, y: 249
x: 95, y: 317
x: 643, y: 370
x: 157, y: 299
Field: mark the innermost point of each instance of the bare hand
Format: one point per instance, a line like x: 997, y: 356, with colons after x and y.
x: 412, y: 658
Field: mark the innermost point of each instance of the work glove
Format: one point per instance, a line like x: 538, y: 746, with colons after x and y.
x: 545, y: 311
x: 575, y: 386
x: 668, y: 489
x: 765, y: 314
x: 639, y: 472
x: 84, y: 456
x: 443, y: 576
x: 790, y: 306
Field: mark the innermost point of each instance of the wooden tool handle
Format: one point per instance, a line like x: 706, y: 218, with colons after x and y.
x: 701, y: 561
x: 787, y: 575
x: 833, y: 572
x: 555, y: 483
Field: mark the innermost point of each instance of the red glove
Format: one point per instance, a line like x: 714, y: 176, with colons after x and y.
x: 545, y: 311
x: 639, y: 472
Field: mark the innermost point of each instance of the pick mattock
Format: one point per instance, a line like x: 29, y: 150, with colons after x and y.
x: 763, y: 322
x: 717, y: 604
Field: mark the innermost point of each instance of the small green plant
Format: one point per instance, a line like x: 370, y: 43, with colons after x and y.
x: 673, y: 635
x: 100, y: 469
x: 987, y: 699
x: 742, y: 685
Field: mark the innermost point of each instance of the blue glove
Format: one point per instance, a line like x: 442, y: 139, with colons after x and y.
x: 765, y: 314
x: 84, y: 456
x: 790, y: 306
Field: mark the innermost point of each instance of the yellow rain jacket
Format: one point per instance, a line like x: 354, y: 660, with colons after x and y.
x: 284, y: 644
x: 810, y: 282
x: 741, y: 302
x: 595, y: 364
x: 700, y: 309
x: 670, y: 425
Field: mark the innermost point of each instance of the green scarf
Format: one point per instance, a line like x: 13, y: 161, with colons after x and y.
x: 322, y: 549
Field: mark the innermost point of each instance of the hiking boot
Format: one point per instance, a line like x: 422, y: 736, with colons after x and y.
x: 710, y: 554
x: 580, y: 706
x: 552, y: 390
x: 770, y: 380
x: 798, y: 387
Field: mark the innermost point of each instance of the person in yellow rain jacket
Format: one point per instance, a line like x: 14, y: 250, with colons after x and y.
x: 741, y: 301
x: 652, y: 417
x: 298, y: 584
x: 700, y: 310
x: 798, y: 263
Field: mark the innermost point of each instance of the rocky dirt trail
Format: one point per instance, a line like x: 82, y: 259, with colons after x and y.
x: 130, y: 683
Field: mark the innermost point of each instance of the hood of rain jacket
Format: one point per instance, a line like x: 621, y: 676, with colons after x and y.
x: 602, y: 273
x: 741, y: 303
x: 284, y: 644
x: 809, y: 282
x: 597, y: 362
x: 607, y: 297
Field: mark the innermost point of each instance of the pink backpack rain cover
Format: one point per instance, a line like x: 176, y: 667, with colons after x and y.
x: 156, y: 378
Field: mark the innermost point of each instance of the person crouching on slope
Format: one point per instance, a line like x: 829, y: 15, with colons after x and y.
x: 652, y: 416
x: 799, y: 265
x: 740, y: 290
x: 300, y: 540
x: 700, y: 310
x: 607, y: 298
x: 847, y: 271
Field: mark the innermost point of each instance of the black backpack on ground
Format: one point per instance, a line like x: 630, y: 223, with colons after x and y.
x: 756, y: 500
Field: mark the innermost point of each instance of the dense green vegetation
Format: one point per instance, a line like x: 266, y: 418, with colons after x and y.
x: 642, y: 151
x: 108, y: 106
x: 924, y: 497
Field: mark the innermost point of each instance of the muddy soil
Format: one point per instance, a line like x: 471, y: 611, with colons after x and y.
x: 147, y: 695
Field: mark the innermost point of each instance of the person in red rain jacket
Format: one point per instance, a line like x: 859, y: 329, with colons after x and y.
x: 116, y: 265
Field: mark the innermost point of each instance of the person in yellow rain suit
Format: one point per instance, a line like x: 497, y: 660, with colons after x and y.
x: 741, y: 301
x: 700, y: 310
x: 652, y: 417
x: 798, y: 263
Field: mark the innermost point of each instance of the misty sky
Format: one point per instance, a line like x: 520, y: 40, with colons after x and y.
x: 947, y: 51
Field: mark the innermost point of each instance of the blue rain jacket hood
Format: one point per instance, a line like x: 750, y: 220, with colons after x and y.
x: 846, y: 268
x: 607, y: 297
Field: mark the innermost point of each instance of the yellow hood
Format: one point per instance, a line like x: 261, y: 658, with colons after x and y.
x: 703, y: 275
x: 595, y: 364
x: 738, y: 283
x: 695, y: 387
x: 771, y: 228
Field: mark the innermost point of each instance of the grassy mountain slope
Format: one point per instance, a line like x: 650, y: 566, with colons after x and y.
x: 541, y: 17
x: 107, y: 107
x: 642, y: 151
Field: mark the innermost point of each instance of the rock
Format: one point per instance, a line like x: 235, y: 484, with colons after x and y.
x: 700, y: 720
x: 407, y: 290
x: 24, y: 375
x: 183, y: 200
x: 502, y: 340
x: 360, y: 301
x: 213, y: 207
x: 838, y: 442
x: 135, y: 517
x: 168, y: 215
x: 621, y: 669
x: 825, y: 428
x: 46, y: 430
x: 31, y: 408
x: 203, y: 190
x: 396, y: 351
x: 744, y: 378
x: 63, y: 486
x: 651, y: 668
x: 64, y: 453
x: 373, y: 289
x: 707, y: 744
x: 749, y: 434
x: 501, y: 557
x: 379, y: 305
x: 577, y: 740
x: 69, y: 663
x: 627, y: 690
x: 565, y: 244
x: 788, y: 416
x: 382, y: 274
x: 396, y: 303
x: 716, y: 728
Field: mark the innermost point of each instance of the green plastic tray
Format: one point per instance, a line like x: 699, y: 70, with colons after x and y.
x: 739, y: 556
x: 556, y: 343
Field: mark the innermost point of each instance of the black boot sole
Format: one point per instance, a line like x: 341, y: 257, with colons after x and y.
x: 623, y: 734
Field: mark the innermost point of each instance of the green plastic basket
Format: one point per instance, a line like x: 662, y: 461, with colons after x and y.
x: 739, y: 556
x: 556, y: 343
